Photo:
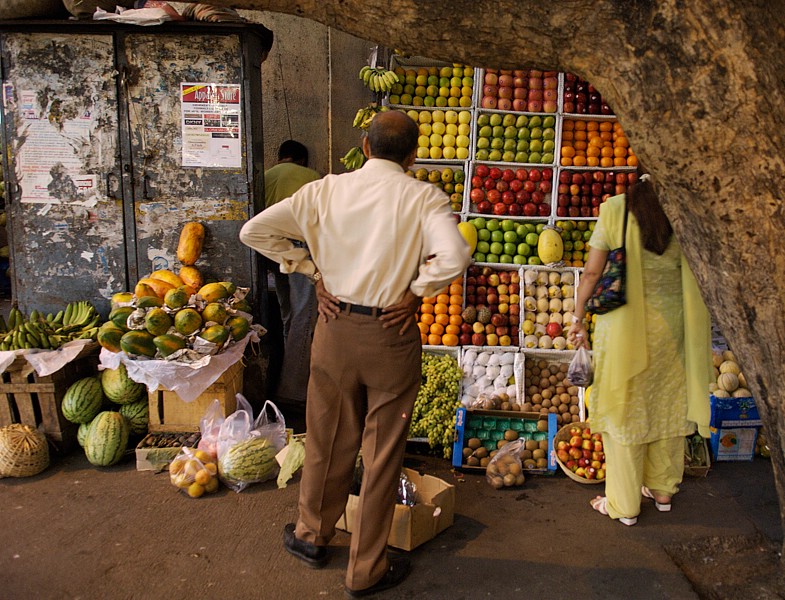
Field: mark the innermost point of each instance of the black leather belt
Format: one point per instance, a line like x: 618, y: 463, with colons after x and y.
x: 359, y: 309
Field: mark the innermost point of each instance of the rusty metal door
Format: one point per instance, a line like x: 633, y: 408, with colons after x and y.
x: 63, y: 169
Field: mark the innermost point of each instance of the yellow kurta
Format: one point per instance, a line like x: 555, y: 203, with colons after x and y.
x: 652, y: 356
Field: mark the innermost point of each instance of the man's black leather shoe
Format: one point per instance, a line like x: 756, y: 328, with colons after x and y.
x: 399, y: 569
x: 314, y: 556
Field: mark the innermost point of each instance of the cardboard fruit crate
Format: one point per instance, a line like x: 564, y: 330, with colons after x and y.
x: 156, y: 450
x: 35, y: 400
x: 169, y: 412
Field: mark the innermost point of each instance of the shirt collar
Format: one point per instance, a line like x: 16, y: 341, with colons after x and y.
x: 382, y: 164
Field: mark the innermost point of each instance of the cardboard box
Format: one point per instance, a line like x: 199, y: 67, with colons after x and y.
x: 734, y: 428
x: 477, y: 423
x: 169, y: 412
x: 414, y: 525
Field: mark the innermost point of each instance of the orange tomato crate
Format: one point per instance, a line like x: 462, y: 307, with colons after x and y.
x: 169, y: 412
x: 36, y: 400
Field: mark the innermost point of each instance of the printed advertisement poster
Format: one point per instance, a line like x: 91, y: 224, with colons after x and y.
x: 211, y: 125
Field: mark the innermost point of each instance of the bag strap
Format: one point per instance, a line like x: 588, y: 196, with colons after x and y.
x: 624, y: 228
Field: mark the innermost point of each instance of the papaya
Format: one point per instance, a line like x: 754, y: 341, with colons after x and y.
x: 119, y: 317
x: 142, y: 289
x: 157, y: 321
x: 159, y: 286
x: 216, y: 312
x: 138, y: 342
x: 217, y: 334
x: 550, y: 246
x: 189, y: 247
x: 238, y: 327
x: 176, y: 298
x: 109, y: 336
x: 149, y: 302
x: 187, y: 321
x: 192, y: 278
x: 121, y: 299
x: 167, y: 276
x: 168, y: 343
x: 243, y: 305
x: 230, y: 287
x: 213, y: 291
x: 469, y: 233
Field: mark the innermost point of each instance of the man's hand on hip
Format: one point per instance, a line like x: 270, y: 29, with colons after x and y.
x: 401, y: 313
x: 328, y: 304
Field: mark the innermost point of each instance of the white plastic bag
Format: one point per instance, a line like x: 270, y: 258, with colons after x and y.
x: 581, y: 372
x: 210, y: 428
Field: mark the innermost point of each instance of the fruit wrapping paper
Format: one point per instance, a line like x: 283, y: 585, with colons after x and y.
x: 187, y: 380
x: 45, y: 362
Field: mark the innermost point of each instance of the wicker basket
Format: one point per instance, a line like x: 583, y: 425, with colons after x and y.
x: 24, y: 451
x: 563, y: 435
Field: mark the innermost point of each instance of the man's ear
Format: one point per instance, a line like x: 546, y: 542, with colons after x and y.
x: 366, y: 147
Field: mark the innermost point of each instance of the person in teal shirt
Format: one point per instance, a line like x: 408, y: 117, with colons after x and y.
x: 295, y: 292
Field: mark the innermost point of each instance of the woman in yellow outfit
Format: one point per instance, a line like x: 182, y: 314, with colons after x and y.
x: 652, y: 356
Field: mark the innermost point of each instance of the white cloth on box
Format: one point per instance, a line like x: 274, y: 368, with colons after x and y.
x: 46, y: 362
x: 187, y: 380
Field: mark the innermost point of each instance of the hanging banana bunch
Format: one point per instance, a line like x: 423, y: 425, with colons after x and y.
x: 378, y: 79
x: 362, y: 119
x: 354, y: 159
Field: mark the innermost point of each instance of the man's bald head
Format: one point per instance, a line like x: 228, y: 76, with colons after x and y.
x: 393, y: 135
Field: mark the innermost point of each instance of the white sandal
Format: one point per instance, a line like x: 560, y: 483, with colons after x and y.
x: 600, y: 504
x: 660, y: 506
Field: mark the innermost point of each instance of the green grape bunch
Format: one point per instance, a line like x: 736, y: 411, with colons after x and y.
x: 437, y: 401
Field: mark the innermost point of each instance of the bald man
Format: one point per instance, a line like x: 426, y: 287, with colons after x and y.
x: 377, y: 242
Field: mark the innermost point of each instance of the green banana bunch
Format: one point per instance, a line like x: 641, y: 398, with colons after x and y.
x: 362, y: 119
x: 378, y: 79
x: 354, y: 159
x: 79, y: 320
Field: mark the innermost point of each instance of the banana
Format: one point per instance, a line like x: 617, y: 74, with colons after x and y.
x: 32, y: 340
x: 364, y: 72
x: 58, y: 317
x: 69, y: 310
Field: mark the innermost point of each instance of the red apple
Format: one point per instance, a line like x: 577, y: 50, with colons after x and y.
x: 478, y: 339
x: 499, y: 209
x: 482, y: 170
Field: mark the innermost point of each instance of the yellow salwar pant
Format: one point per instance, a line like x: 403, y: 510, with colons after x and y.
x: 657, y: 465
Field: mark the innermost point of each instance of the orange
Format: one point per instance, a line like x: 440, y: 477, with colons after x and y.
x: 456, y: 320
x: 580, y: 146
x: 606, y: 162
x: 580, y: 125
x: 442, y: 319
x: 622, y: 141
x: 596, y: 142
x: 442, y: 299
x: 456, y: 289
x: 427, y: 319
x: 449, y: 339
x: 619, y: 161
x: 567, y: 162
x: 434, y: 340
x: 567, y: 136
x: 423, y: 339
x: 436, y: 329
x: 567, y: 152
x: 593, y: 161
x: 619, y: 152
x: 579, y: 161
x: 632, y: 161
x: 606, y: 136
x: 607, y: 151
x: 593, y: 151
x: 580, y: 135
x: 454, y: 309
x: 592, y: 125
x: 422, y: 327
x: 568, y: 125
x: 426, y: 308
x: 440, y: 308
x: 452, y: 330
x: 606, y: 126
x: 456, y: 299
x: 429, y: 300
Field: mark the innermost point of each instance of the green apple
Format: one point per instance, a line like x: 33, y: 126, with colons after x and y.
x: 492, y: 224
x: 505, y: 259
x: 483, y: 246
x: 492, y: 258
x: 523, y: 249
x: 479, y: 257
x: 479, y: 223
x: 497, y: 235
x: 519, y: 260
x: 510, y: 248
x: 521, y: 230
x: 510, y: 236
x: 539, y: 227
x: 534, y: 260
x: 485, y: 235
x: 507, y: 225
x: 532, y: 239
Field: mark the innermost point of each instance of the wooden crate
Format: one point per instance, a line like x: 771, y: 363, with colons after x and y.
x: 36, y: 400
x: 169, y: 412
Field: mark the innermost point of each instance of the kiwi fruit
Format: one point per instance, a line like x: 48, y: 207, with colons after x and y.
x: 532, y: 444
x: 481, y: 453
x: 510, y: 435
x: 473, y: 461
x: 474, y: 443
x: 538, y: 454
x: 501, y: 443
x: 509, y: 479
x: 542, y: 425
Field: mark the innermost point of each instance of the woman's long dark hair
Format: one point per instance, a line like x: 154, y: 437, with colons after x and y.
x: 656, y: 229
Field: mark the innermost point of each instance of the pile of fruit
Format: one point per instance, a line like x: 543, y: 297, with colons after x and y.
x: 520, y: 90
x: 548, y: 306
x: 486, y: 435
x: 489, y: 380
x: 78, y: 321
x: 437, y: 400
x: 433, y: 86
x: 507, y: 241
x: 587, y: 143
x: 448, y: 179
x: 518, y: 192
x: 516, y: 138
x: 195, y: 472
x: 506, y: 469
x: 549, y: 391
x: 581, y: 97
x: 580, y: 193
x: 575, y: 237
x: 439, y: 318
x: 168, y: 312
x: 581, y: 452
x: 492, y: 307
x: 109, y: 408
x: 730, y: 381
x: 444, y: 134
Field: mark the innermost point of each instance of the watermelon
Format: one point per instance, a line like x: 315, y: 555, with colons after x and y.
x: 106, y: 439
x: 81, y: 434
x: 120, y: 388
x: 82, y: 400
x: 137, y: 415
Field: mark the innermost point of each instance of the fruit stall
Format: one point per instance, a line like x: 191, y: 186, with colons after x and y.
x: 526, y: 158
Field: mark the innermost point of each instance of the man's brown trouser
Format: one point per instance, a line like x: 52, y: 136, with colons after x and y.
x: 364, y: 381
